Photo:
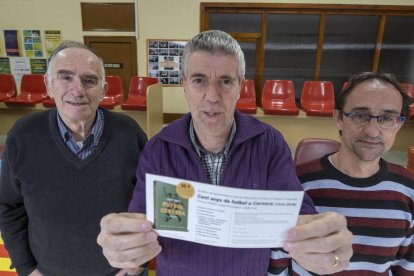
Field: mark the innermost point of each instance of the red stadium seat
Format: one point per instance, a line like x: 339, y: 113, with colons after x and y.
x: 32, y: 91
x: 278, y: 98
x: 247, y: 100
x: 409, y: 88
x: 312, y: 148
x: 7, y: 87
x: 114, y: 94
x: 317, y: 98
x: 137, y: 95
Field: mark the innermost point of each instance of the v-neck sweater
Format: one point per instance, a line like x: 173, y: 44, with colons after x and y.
x: 51, y: 202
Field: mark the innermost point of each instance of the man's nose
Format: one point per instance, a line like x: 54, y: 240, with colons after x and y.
x: 212, y: 92
x: 76, y: 86
x: 372, y: 128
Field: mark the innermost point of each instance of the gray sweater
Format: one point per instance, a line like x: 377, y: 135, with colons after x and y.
x: 51, y: 202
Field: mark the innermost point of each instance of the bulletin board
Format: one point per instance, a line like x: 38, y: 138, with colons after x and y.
x: 164, y: 60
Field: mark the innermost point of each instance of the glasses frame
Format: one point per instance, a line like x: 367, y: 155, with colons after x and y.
x: 401, y: 118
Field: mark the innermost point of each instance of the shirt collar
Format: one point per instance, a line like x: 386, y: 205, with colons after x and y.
x: 96, y: 131
x: 200, y: 149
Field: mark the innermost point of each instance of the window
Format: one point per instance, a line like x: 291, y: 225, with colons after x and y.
x: 317, y: 42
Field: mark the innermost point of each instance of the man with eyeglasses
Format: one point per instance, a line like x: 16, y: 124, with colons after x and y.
x: 376, y: 197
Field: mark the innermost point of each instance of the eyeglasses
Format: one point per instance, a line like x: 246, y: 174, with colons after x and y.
x: 384, y: 121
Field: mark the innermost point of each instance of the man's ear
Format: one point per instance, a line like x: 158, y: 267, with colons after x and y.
x: 48, y: 88
x: 104, y: 90
x: 337, y: 116
x: 183, y: 82
x: 241, y: 85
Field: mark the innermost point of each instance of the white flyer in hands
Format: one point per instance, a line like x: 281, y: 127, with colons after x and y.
x: 220, y: 216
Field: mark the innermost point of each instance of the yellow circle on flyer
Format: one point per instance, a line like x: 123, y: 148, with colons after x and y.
x: 185, y: 190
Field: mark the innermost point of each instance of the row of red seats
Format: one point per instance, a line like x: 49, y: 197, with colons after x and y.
x: 278, y: 98
x: 33, y: 91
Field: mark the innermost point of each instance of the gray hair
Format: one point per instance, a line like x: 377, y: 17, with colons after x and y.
x: 213, y: 41
x: 72, y: 44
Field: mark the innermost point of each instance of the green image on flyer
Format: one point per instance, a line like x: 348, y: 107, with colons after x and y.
x: 170, y: 210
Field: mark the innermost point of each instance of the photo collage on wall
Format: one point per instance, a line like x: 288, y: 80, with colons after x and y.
x: 164, y: 60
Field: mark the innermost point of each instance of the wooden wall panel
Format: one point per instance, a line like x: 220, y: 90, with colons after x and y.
x: 108, y: 17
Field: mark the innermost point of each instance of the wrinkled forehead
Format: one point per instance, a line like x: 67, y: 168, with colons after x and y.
x: 77, y: 59
x: 219, y: 62
x: 376, y: 95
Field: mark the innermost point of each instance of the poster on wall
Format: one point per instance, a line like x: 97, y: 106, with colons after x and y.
x: 5, y: 65
x: 12, y: 43
x: 32, y: 43
x: 38, y: 65
x: 2, y: 53
x: 19, y: 66
x: 52, y: 39
x: 164, y: 60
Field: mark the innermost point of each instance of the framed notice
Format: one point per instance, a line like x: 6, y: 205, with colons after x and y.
x: 164, y: 60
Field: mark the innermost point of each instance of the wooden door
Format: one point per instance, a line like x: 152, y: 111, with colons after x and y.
x: 119, y: 54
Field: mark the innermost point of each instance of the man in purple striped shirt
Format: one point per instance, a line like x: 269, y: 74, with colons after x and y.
x: 216, y: 144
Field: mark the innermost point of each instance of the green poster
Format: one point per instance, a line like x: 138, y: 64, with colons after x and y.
x: 38, y: 65
x: 5, y: 65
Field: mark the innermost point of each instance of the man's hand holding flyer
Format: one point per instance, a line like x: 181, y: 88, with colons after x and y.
x: 220, y: 216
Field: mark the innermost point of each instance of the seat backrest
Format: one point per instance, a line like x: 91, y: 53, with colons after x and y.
x: 312, y: 148
x: 317, y: 91
x: 7, y: 85
x: 33, y: 84
x: 114, y: 86
x: 247, y: 90
x: 138, y: 85
x: 278, y: 89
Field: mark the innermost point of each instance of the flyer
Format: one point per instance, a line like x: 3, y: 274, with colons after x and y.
x: 220, y: 216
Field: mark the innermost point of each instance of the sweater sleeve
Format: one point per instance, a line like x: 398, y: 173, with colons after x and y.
x: 404, y: 265
x: 13, y: 216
